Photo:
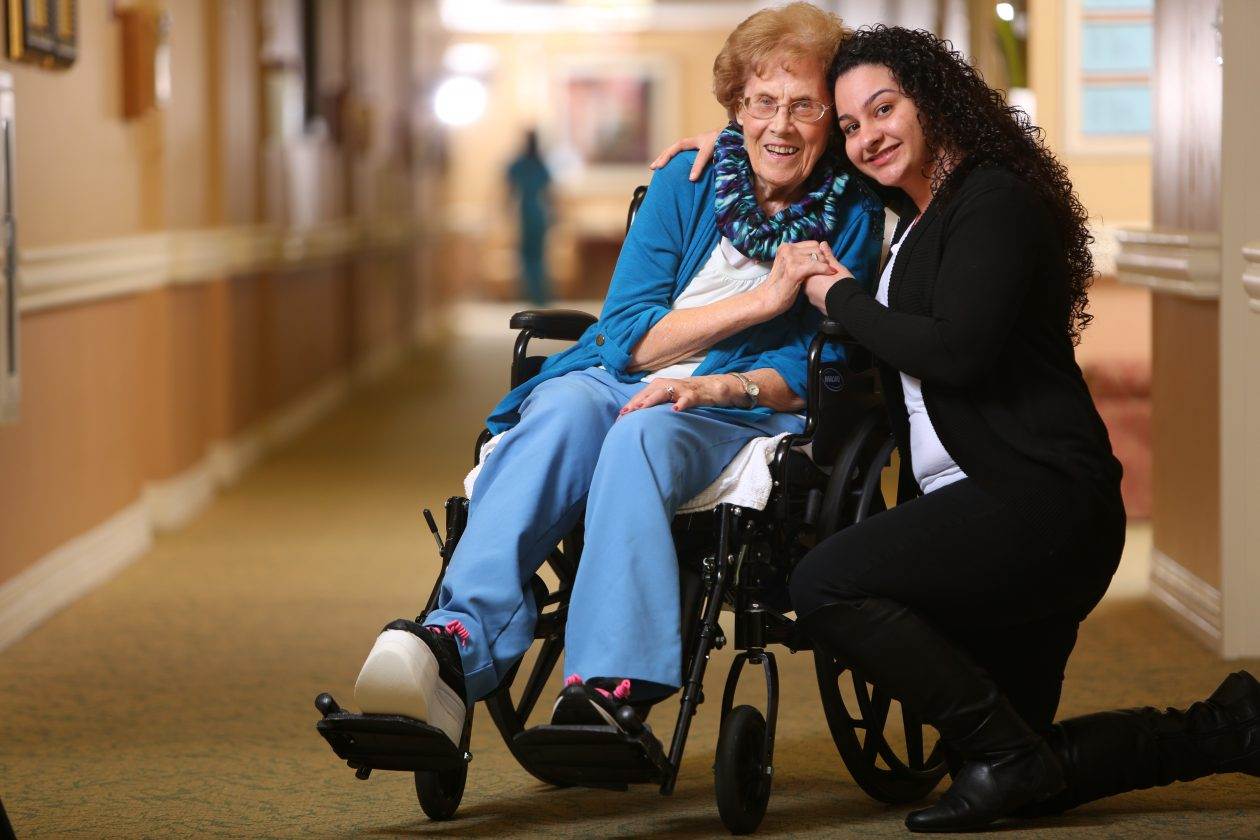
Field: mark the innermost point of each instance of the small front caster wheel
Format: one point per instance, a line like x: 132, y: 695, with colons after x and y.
x: 741, y: 777
x: 440, y: 791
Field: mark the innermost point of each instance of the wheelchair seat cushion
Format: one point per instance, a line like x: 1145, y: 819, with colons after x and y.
x: 746, y: 480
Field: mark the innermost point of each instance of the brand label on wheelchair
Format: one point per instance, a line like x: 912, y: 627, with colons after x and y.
x: 832, y: 380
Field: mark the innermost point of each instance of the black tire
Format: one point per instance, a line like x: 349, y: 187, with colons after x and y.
x: 740, y: 777
x: 440, y: 791
x: 890, y: 767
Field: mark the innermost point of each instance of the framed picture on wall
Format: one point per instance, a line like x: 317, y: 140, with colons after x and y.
x: 611, y: 117
x: 42, y: 31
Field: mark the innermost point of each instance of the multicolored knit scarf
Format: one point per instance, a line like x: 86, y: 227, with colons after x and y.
x: 741, y: 219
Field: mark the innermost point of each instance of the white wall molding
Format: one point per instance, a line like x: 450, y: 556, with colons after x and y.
x: 1192, y: 600
x: 174, y: 502
x: 1251, y: 275
x: 1183, y: 263
x: 68, y: 274
x: 72, y: 570
x: 89, y: 271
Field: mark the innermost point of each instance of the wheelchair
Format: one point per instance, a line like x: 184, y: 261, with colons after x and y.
x: 731, y: 558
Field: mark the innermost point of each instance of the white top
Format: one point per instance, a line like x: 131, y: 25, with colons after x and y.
x: 726, y: 274
x: 933, y: 466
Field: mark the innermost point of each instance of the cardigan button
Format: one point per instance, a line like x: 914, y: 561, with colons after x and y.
x: 599, y: 340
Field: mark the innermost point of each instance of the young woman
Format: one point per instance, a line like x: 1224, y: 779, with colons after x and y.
x: 965, y: 602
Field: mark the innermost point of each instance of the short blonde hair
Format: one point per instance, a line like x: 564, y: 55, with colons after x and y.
x: 792, y: 32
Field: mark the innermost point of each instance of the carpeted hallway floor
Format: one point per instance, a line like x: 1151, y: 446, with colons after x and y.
x: 175, y: 701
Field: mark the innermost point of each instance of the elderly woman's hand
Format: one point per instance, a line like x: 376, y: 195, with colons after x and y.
x: 817, y: 285
x: 794, y: 264
x: 717, y: 389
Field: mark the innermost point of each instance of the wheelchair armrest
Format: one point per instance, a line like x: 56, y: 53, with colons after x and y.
x: 834, y: 330
x: 561, y: 324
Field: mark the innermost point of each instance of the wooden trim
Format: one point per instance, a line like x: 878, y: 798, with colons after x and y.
x: 1196, y: 603
x: 70, y: 274
x: 72, y: 570
x: 1251, y: 275
x: 1183, y: 263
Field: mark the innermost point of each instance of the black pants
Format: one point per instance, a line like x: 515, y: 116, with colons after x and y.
x: 1011, y: 599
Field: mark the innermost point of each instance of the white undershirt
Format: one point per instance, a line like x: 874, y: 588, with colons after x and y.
x: 727, y: 273
x: 933, y: 466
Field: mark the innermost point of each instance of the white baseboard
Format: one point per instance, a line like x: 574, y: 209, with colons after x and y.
x: 77, y: 567
x: 1196, y: 603
x: 231, y: 458
x: 72, y: 570
x: 174, y: 502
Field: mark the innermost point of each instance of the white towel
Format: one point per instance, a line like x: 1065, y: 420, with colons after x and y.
x: 745, y: 481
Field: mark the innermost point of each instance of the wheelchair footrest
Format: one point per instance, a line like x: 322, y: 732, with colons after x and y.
x: 593, y: 756
x: 389, y: 742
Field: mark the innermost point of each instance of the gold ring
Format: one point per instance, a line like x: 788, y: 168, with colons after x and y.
x: 813, y: 255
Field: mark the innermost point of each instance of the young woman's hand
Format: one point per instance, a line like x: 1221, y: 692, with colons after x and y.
x: 817, y: 285
x: 794, y: 264
x: 717, y: 389
x: 702, y: 142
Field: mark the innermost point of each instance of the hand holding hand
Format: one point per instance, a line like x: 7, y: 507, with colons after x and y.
x: 794, y: 264
x: 817, y: 285
x: 719, y: 389
x: 704, y: 142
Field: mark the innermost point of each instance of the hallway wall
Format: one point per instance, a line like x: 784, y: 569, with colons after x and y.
x: 168, y: 336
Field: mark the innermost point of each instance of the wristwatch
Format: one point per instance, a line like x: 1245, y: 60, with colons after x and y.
x: 750, y: 388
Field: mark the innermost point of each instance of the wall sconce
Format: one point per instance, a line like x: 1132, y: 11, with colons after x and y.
x: 146, y: 55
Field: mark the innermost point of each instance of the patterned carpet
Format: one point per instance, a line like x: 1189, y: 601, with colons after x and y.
x: 176, y: 700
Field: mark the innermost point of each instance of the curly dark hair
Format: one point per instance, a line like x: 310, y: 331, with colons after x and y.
x: 966, y: 123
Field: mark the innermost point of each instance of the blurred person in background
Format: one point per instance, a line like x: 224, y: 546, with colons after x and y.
x: 529, y: 184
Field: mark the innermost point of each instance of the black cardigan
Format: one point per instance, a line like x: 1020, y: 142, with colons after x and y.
x: 977, y: 310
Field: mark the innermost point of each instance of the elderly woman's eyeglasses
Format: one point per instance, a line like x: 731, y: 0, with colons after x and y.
x: 802, y: 110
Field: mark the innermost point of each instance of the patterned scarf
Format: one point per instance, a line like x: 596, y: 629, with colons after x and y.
x: 740, y: 218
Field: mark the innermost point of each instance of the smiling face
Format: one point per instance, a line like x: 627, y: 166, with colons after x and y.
x: 781, y: 150
x: 882, y: 133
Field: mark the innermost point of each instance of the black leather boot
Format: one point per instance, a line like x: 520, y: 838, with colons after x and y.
x: 1005, y: 765
x: 1131, y: 749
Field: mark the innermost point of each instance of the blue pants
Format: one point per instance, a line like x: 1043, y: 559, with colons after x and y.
x: 571, y: 452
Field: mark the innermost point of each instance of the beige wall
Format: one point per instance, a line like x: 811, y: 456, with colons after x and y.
x: 134, y: 389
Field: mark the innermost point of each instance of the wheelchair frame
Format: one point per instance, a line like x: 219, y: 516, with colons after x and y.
x: 754, y: 550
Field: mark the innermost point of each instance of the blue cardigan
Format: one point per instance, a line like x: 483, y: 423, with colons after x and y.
x: 671, y: 239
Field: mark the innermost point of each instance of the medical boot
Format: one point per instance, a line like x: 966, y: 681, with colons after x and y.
x: 1003, y: 766
x: 415, y: 671
x: 1131, y: 749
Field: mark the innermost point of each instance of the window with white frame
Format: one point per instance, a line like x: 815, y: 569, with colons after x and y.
x: 1109, y: 61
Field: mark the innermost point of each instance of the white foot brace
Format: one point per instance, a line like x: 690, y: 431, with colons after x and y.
x: 400, y: 677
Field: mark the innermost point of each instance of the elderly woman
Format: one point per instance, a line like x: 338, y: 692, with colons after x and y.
x: 701, y: 347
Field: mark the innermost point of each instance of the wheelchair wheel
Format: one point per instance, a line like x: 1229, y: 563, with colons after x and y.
x: 740, y: 777
x: 889, y: 765
x: 440, y: 791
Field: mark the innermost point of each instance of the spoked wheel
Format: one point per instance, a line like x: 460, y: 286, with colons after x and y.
x: 440, y: 791
x: 743, y: 785
x: 890, y: 753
